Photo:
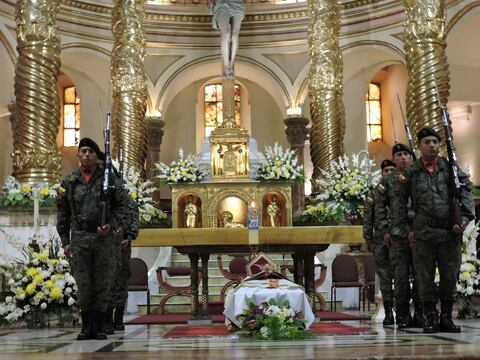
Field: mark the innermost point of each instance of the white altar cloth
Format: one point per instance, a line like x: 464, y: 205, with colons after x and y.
x: 258, y: 291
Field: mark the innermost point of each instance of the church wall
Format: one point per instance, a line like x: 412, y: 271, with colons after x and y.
x: 6, y: 96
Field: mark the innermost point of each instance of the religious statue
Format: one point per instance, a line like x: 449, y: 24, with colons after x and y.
x: 228, y: 16
x: 190, y: 213
x: 272, y: 210
x: 227, y: 219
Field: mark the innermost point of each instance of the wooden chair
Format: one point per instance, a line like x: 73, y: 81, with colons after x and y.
x: 345, y: 275
x: 172, y: 290
x: 235, y: 274
x: 138, y: 281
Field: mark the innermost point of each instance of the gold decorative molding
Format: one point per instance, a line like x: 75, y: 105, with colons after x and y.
x: 425, y: 33
x: 325, y: 85
x: 80, y: 45
x: 35, y: 156
x: 459, y: 15
x: 10, y: 50
x: 129, y: 82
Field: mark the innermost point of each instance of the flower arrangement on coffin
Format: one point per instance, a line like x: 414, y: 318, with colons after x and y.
x: 348, y: 182
x: 183, y: 170
x: 281, y: 165
x: 141, y: 191
x: 326, y: 212
x: 21, y: 195
x: 469, y: 277
x: 40, y: 287
x: 273, y: 321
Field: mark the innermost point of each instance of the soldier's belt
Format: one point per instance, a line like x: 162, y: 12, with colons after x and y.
x: 423, y: 219
x: 90, y: 227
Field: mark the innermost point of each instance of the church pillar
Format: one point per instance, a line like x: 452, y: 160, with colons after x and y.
x: 424, y: 34
x: 325, y: 85
x: 35, y: 156
x: 129, y: 82
x: 155, y: 136
x: 297, y: 133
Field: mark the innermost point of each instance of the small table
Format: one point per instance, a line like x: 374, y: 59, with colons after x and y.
x: 258, y: 291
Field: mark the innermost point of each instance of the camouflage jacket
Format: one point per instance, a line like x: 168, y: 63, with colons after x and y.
x: 132, y: 225
x: 370, y: 231
x: 79, y: 204
x: 430, y: 197
x: 384, y: 211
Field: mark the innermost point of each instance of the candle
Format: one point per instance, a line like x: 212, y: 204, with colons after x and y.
x: 252, y: 216
x: 36, y: 214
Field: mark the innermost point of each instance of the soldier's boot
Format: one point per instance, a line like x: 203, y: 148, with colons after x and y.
x: 404, y: 319
x: 430, y: 318
x: 446, y: 322
x: 389, y: 319
x: 417, y: 321
x: 86, y: 332
x: 97, y: 325
x: 108, y: 323
x: 118, y: 318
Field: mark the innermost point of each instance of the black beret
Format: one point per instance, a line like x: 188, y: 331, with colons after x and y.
x: 91, y: 144
x: 387, y: 163
x: 400, y: 147
x: 428, y: 131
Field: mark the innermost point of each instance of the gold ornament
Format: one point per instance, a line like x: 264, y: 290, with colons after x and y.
x: 35, y: 156
x: 129, y: 82
x: 325, y: 85
x: 425, y: 44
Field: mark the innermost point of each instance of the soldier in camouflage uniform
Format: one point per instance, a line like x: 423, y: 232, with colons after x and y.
x: 78, y: 224
x: 397, y: 238
x: 121, y: 286
x: 376, y: 245
x: 436, y: 241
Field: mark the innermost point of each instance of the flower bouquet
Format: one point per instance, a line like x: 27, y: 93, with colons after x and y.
x: 183, y: 170
x: 21, y: 195
x: 469, y: 277
x: 324, y: 212
x: 281, y: 165
x: 348, y: 182
x: 141, y: 191
x: 40, y: 288
x: 273, y: 321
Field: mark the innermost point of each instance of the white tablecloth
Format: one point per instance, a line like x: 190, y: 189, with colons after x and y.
x: 258, y: 292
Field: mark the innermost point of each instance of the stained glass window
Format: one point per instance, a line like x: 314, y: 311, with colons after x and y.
x: 71, y: 117
x: 214, y: 107
x: 374, y: 113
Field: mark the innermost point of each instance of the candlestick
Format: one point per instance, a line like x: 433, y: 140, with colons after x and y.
x: 252, y: 216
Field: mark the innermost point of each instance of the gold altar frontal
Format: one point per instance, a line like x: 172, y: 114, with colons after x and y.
x: 212, y: 200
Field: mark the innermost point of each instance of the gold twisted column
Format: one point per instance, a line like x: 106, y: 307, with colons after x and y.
x: 129, y: 82
x: 325, y: 85
x: 35, y: 156
x: 425, y: 56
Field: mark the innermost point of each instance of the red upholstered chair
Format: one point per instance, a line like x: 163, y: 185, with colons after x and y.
x: 345, y: 275
x: 138, y: 281
x: 235, y: 274
x: 172, y: 290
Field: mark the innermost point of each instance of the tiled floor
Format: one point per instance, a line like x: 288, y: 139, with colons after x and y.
x: 147, y: 342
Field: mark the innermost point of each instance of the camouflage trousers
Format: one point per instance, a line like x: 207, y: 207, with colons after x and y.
x: 384, y: 272
x: 115, y: 268
x: 401, y: 258
x: 123, y: 274
x: 440, y: 249
x: 92, y: 257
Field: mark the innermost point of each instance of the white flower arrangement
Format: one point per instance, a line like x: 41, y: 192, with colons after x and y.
x: 141, y: 191
x: 17, y: 194
x: 40, y: 286
x: 183, y: 170
x: 468, y: 283
x: 281, y: 165
x: 348, y: 182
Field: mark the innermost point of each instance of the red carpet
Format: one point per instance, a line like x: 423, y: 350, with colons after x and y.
x: 211, y: 331
x: 182, y: 318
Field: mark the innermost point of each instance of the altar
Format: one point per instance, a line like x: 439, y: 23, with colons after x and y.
x: 199, y: 243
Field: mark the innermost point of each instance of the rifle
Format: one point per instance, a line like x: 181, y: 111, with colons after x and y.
x: 454, y: 181
x: 106, y: 172
x: 120, y: 162
x: 407, y: 130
